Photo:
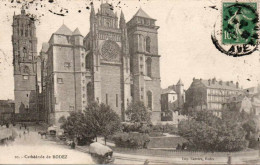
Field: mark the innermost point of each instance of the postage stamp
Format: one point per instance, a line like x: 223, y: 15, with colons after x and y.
x: 239, y: 23
x: 236, y: 31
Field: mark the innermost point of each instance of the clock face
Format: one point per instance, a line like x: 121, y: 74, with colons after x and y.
x: 110, y: 50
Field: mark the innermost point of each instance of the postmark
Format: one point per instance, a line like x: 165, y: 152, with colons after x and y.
x: 237, y: 35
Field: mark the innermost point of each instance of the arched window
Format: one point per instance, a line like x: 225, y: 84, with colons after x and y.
x: 148, y: 44
x: 26, y: 70
x: 149, y: 100
x: 149, y: 67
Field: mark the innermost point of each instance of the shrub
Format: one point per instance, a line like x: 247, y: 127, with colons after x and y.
x: 167, y: 128
x: 155, y: 134
x: 131, y: 140
x: 135, y: 127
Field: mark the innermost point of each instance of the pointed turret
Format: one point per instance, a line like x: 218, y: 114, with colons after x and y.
x: 92, y: 12
x: 122, y: 21
x: 76, y: 32
x: 180, y: 82
x: 22, y: 10
x: 78, y: 38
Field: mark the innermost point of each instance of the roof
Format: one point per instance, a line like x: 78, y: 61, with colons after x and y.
x: 64, y: 30
x: 141, y: 13
x: 168, y: 90
x: 76, y: 32
x: 45, y: 47
x: 220, y: 84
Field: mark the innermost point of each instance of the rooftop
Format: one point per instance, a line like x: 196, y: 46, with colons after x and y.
x: 142, y: 13
x: 63, y: 30
x: 213, y: 83
x: 76, y: 32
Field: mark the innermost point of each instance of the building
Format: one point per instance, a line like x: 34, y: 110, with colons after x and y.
x: 145, y: 61
x: 6, y: 111
x: 239, y: 102
x: 172, y: 101
x: 24, y: 63
x: 254, y: 94
x: 115, y: 63
x: 210, y: 94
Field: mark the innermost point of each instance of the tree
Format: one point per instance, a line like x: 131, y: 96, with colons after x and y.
x: 62, y: 119
x: 137, y: 112
x: 206, y: 132
x: 102, y: 119
x: 77, y: 126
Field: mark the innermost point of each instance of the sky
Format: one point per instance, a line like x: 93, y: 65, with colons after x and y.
x: 184, y: 38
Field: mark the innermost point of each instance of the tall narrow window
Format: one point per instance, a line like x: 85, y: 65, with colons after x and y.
x: 87, y: 61
x: 148, y: 44
x: 90, y: 95
x: 149, y: 99
x: 116, y: 100
x: 149, y: 67
x: 106, y: 98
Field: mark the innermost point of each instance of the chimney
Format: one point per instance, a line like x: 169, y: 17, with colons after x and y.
x: 193, y: 78
x: 209, y: 81
x: 237, y: 85
x: 213, y: 80
x: 220, y: 82
x: 231, y: 82
x: 200, y: 79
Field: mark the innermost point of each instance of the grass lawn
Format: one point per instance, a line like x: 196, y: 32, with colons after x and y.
x: 165, y: 142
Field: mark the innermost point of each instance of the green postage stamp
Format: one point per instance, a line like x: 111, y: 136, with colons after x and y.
x: 239, y: 23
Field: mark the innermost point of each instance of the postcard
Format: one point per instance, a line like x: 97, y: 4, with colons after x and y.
x: 129, y: 82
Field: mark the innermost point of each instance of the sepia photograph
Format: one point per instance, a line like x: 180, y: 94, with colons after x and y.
x: 129, y: 82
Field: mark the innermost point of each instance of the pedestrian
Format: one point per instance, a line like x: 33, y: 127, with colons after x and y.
x: 73, y: 145
x: 28, y: 130
x: 20, y: 135
x: 146, y: 162
x: 20, y: 127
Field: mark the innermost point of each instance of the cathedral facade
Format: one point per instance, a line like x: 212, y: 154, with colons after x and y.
x: 116, y: 63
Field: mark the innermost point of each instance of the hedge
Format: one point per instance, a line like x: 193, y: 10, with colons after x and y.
x: 131, y: 140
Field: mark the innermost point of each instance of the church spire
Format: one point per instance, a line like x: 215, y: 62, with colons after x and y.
x: 122, y: 20
x: 92, y: 12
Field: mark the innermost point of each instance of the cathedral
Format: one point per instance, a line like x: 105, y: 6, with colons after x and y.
x: 116, y: 63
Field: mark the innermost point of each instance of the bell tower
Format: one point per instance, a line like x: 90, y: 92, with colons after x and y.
x: 24, y: 62
x: 145, y: 62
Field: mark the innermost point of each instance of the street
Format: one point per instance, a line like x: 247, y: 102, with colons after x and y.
x: 30, y: 148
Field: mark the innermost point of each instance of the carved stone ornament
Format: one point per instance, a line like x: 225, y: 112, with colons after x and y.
x: 110, y: 50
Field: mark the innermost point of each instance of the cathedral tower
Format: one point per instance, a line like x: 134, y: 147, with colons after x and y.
x: 145, y: 66
x: 108, y: 59
x: 24, y: 61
